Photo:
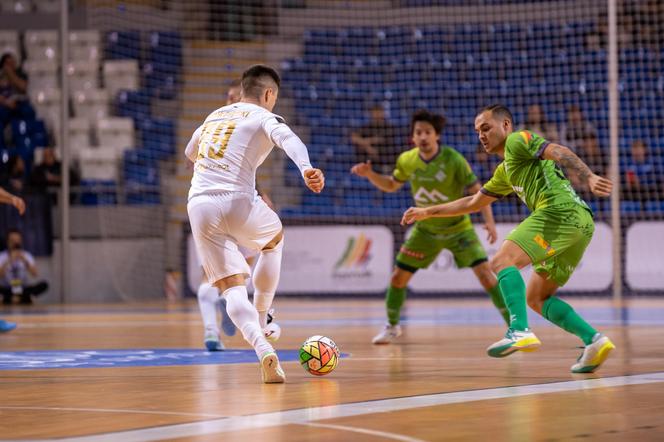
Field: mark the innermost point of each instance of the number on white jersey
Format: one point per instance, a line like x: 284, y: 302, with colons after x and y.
x: 214, y: 139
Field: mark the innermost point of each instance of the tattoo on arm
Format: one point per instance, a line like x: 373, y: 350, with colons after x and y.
x: 570, y: 162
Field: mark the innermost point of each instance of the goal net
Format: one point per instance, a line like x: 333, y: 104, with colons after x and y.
x: 353, y: 73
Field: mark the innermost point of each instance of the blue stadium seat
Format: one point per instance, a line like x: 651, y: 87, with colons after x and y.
x: 655, y: 207
x: 98, y: 192
x: 158, y: 137
x: 165, y: 50
x: 630, y: 207
x: 133, y: 104
x: 141, y: 177
x: 123, y: 44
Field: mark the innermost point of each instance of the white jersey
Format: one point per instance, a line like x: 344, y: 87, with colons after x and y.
x: 232, y: 142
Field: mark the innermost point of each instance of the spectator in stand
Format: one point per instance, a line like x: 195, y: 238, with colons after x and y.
x: 377, y: 141
x: 577, y: 129
x: 48, y: 174
x: 643, y: 177
x: 17, y: 176
x: 536, y: 122
x: 17, y: 266
x: 14, y: 102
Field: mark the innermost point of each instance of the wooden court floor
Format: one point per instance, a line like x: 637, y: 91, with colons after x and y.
x: 435, y: 384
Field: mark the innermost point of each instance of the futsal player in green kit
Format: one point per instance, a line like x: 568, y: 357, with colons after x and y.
x: 553, y: 238
x: 436, y: 174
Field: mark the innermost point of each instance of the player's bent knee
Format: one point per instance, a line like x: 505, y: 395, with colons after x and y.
x: 484, y: 275
x: 230, y: 281
x: 275, y: 241
x: 400, y: 278
x: 500, y: 262
x: 535, y: 303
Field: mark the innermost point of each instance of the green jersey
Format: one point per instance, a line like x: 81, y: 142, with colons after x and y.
x: 441, y: 179
x: 538, y: 183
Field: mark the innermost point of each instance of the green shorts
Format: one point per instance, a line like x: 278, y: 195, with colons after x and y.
x: 555, y: 238
x: 422, y: 248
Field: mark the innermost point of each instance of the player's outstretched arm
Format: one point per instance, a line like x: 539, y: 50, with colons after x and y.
x: 386, y: 183
x: 462, y: 206
x: 571, y: 163
x: 487, y: 214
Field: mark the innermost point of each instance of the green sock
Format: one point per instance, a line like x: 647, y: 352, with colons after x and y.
x: 514, y: 293
x: 563, y: 315
x: 497, y: 299
x: 394, y: 299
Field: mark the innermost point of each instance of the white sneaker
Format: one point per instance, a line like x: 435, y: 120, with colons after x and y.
x: 514, y: 340
x: 388, y: 334
x: 271, y: 370
x: 212, y: 342
x: 272, y: 332
x: 593, y: 355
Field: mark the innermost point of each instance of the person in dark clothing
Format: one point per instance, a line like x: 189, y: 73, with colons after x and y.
x: 16, y: 267
x: 14, y: 102
x: 377, y: 141
x: 48, y: 173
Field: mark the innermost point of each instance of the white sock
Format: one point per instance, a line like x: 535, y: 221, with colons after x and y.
x: 208, y: 303
x: 245, y: 318
x: 265, y: 279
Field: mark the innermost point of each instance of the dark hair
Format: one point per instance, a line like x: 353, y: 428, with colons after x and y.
x: 18, y: 246
x: 498, y: 110
x: 12, y: 162
x: 257, y: 78
x: 4, y: 58
x: 437, y: 121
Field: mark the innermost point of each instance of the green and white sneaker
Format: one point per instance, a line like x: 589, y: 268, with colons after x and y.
x: 514, y: 340
x: 271, y: 369
x: 387, y: 334
x: 594, y: 355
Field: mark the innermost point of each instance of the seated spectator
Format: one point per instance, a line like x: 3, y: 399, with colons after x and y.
x: 642, y: 177
x: 48, y: 173
x: 16, y: 175
x: 16, y: 268
x: 377, y: 141
x: 14, y: 102
x: 576, y: 129
x: 536, y: 122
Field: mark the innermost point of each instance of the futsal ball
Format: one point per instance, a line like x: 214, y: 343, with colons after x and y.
x: 319, y: 355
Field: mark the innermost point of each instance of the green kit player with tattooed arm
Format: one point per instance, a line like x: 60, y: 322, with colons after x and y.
x: 436, y: 174
x: 553, y: 238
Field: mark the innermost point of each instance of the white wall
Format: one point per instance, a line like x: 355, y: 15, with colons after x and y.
x: 108, y: 271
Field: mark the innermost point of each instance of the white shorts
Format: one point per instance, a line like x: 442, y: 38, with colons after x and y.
x: 222, y: 223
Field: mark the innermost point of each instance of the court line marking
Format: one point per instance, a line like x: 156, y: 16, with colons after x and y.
x: 412, y: 322
x: 307, y: 415
x: 113, y: 410
x: 383, y: 434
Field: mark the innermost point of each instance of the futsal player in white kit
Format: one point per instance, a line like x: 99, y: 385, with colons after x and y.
x: 225, y: 211
x: 209, y: 301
